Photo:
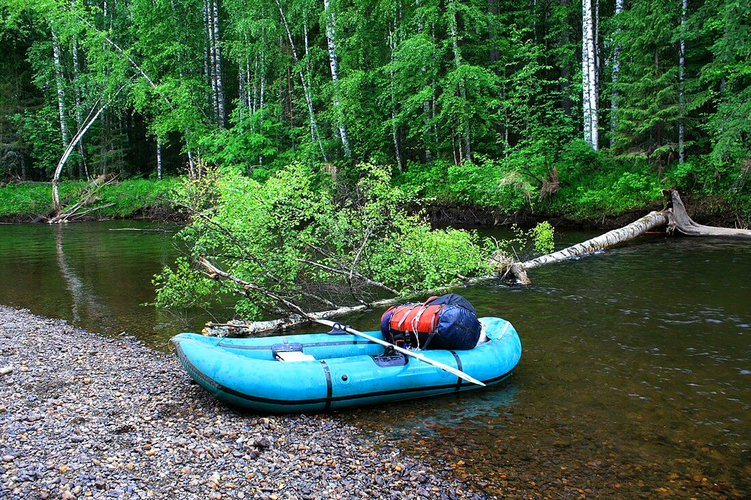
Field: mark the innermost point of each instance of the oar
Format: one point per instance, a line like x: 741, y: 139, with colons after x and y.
x: 406, y: 352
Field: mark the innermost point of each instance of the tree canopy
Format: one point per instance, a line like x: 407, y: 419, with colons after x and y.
x: 259, y: 84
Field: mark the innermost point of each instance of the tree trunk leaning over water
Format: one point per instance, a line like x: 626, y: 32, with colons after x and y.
x: 673, y: 217
x: 609, y: 239
x: 96, y: 110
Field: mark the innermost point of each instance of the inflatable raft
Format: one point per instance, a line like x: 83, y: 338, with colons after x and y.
x: 317, y: 372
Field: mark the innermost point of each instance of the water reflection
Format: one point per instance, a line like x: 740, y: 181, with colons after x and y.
x: 84, y: 300
x: 482, y: 409
x: 96, y: 275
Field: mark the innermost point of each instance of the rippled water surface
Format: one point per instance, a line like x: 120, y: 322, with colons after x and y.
x: 635, y: 380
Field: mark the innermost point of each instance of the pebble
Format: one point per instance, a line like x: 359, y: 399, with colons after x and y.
x: 96, y: 417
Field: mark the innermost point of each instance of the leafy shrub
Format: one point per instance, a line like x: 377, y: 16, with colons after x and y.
x: 285, y: 235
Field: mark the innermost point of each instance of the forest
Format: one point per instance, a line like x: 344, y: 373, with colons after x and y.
x: 581, y: 108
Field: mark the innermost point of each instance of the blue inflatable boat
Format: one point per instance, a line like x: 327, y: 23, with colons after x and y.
x: 317, y: 372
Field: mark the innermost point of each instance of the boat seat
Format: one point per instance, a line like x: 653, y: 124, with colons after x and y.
x: 293, y: 356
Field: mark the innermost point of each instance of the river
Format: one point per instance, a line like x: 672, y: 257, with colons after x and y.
x: 635, y: 378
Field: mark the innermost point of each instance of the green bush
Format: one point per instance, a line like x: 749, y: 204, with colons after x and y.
x: 268, y: 234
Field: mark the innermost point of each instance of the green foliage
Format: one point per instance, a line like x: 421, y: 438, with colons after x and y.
x: 537, y: 240
x: 473, y: 102
x: 542, y: 237
x: 182, y: 287
x: 621, y: 188
x: 132, y: 195
x: 269, y: 233
x: 32, y: 199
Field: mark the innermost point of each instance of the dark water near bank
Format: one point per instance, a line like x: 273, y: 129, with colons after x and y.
x: 635, y: 381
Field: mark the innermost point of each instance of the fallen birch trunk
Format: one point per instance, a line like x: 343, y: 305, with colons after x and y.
x: 674, y: 217
x: 298, y: 316
x: 609, y: 239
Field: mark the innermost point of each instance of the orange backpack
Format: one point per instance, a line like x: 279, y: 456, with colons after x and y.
x: 450, y: 318
x: 408, y: 320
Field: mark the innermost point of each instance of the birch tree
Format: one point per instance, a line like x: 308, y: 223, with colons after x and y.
x: 589, y: 76
x: 159, y: 159
x: 394, y: 126
x: 218, y: 62
x: 60, y: 86
x: 210, y: 55
x: 330, y: 14
x: 465, y: 153
x: 305, y: 86
x: 616, y: 70
x: 82, y: 167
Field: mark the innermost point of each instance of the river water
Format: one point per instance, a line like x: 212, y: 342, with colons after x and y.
x: 635, y: 378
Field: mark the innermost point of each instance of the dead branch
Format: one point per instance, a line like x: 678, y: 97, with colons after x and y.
x: 88, y: 195
x: 678, y: 220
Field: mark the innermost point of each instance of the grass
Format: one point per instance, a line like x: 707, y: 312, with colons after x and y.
x: 128, y: 196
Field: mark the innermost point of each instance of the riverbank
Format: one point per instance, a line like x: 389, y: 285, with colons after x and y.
x: 83, y: 415
x: 711, y: 211
x: 147, y: 199
x: 129, y: 199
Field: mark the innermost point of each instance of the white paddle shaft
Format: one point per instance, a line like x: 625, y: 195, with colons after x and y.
x: 406, y: 352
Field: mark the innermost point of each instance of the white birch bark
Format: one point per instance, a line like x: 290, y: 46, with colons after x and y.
x: 587, y: 120
x: 616, y: 71
x: 589, y: 91
x: 334, y: 64
x: 394, y: 131
x: 682, y: 83
x: 254, y: 98
x: 159, y: 159
x: 305, y: 86
x: 262, y: 90
x: 466, y: 154
x: 59, y: 82
x: 218, y: 62
x: 241, y: 83
x: 82, y: 167
x: 308, y: 72
x: 593, y: 94
x: 597, y: 45
x: 88, y: 122
x: 59, y: 168
x: 191, y: 165
x: 262, y: 75
x: 425, y: 103
x: 210, y: 53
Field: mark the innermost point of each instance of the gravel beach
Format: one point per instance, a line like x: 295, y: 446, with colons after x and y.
x: 86, y: 416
